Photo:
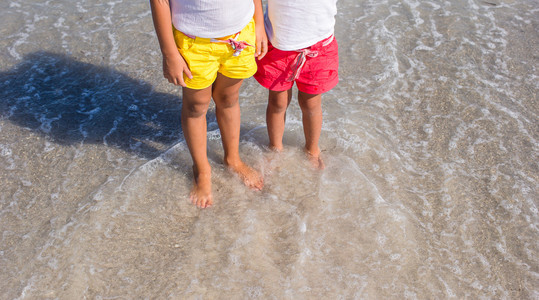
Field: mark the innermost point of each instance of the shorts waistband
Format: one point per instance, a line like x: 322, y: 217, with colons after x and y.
x: 232, y: 40
x: 311, y: 51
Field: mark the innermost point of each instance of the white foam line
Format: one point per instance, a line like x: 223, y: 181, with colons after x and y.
x: 516, y: 117
x: 248, y: 133
x: 114, y: 50
x: 29, y: 285
x: 379, y: 198
x: 163, y: 157
x: 129, y: 175
x: 21, y: 41
x: 114, y: 127
x: 80, y: 8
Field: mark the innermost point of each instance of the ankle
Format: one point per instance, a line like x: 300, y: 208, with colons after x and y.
x: 314, y: 152
x: 202, y: 170
x: 276, y: 148
x: 232, y: 161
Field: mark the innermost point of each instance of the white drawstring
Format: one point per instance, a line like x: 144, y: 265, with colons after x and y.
x: 302, y: 57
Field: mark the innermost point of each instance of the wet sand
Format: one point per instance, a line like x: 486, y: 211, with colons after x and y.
x: 429, y: 140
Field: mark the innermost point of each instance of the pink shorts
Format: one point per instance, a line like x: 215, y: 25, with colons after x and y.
x: 278, y: 70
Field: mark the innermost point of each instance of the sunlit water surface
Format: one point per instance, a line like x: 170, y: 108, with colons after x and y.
x: 430, y: 143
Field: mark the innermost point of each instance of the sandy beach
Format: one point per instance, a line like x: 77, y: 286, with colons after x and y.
x: 430, y: 141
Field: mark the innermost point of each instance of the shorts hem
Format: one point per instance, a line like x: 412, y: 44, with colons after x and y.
x: 264, y: 83
x: 201, y: 86
x: 250, y: 74
x: 327, y: 88
x: 197, y: 88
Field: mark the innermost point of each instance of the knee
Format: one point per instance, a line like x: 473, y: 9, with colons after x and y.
x: 225, y: 100
x: 194, y: 110
x: 310, y: 104
x: 310, y: 107
x: 277, y: 105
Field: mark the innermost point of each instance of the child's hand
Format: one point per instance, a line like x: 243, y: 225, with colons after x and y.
x: 261, y: 41
x: 173, y: 68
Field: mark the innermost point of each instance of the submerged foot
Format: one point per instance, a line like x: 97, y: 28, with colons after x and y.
x: 315, y: 159
x: 248, y: 175
x: 274, y: 148
x: 271, y: 159
x: 201, y: 192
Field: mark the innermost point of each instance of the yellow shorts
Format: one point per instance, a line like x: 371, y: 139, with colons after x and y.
x: 206, y: 58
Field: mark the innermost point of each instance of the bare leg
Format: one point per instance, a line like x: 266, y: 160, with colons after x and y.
x: 193, y: 115
x: 311, y: 108
x: 227, y: 108
x: 275, y: 117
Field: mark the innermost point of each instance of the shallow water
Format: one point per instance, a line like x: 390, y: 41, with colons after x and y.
x: 430, y: 143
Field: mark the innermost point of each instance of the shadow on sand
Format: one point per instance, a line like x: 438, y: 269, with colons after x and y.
x: 72, y: 102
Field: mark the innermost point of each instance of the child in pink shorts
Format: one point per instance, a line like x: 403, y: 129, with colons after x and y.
x: 303, y: 50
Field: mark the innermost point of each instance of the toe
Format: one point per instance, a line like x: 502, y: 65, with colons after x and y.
x: 200, y: 203
x: 260, y: 183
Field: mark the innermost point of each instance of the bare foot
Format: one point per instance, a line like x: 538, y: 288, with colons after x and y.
x: 275, y: 148
x: 271, y: 159
x: 248, y: 175
x: 315, y: 160
x: 201, y: 192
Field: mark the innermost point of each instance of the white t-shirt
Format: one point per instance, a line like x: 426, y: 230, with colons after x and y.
x: 297, y: 24
x: 211, y: 18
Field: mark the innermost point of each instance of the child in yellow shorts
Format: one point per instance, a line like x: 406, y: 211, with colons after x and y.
x: 209, y: 51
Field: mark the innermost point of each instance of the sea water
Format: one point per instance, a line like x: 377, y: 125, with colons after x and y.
x: 429, y: 140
